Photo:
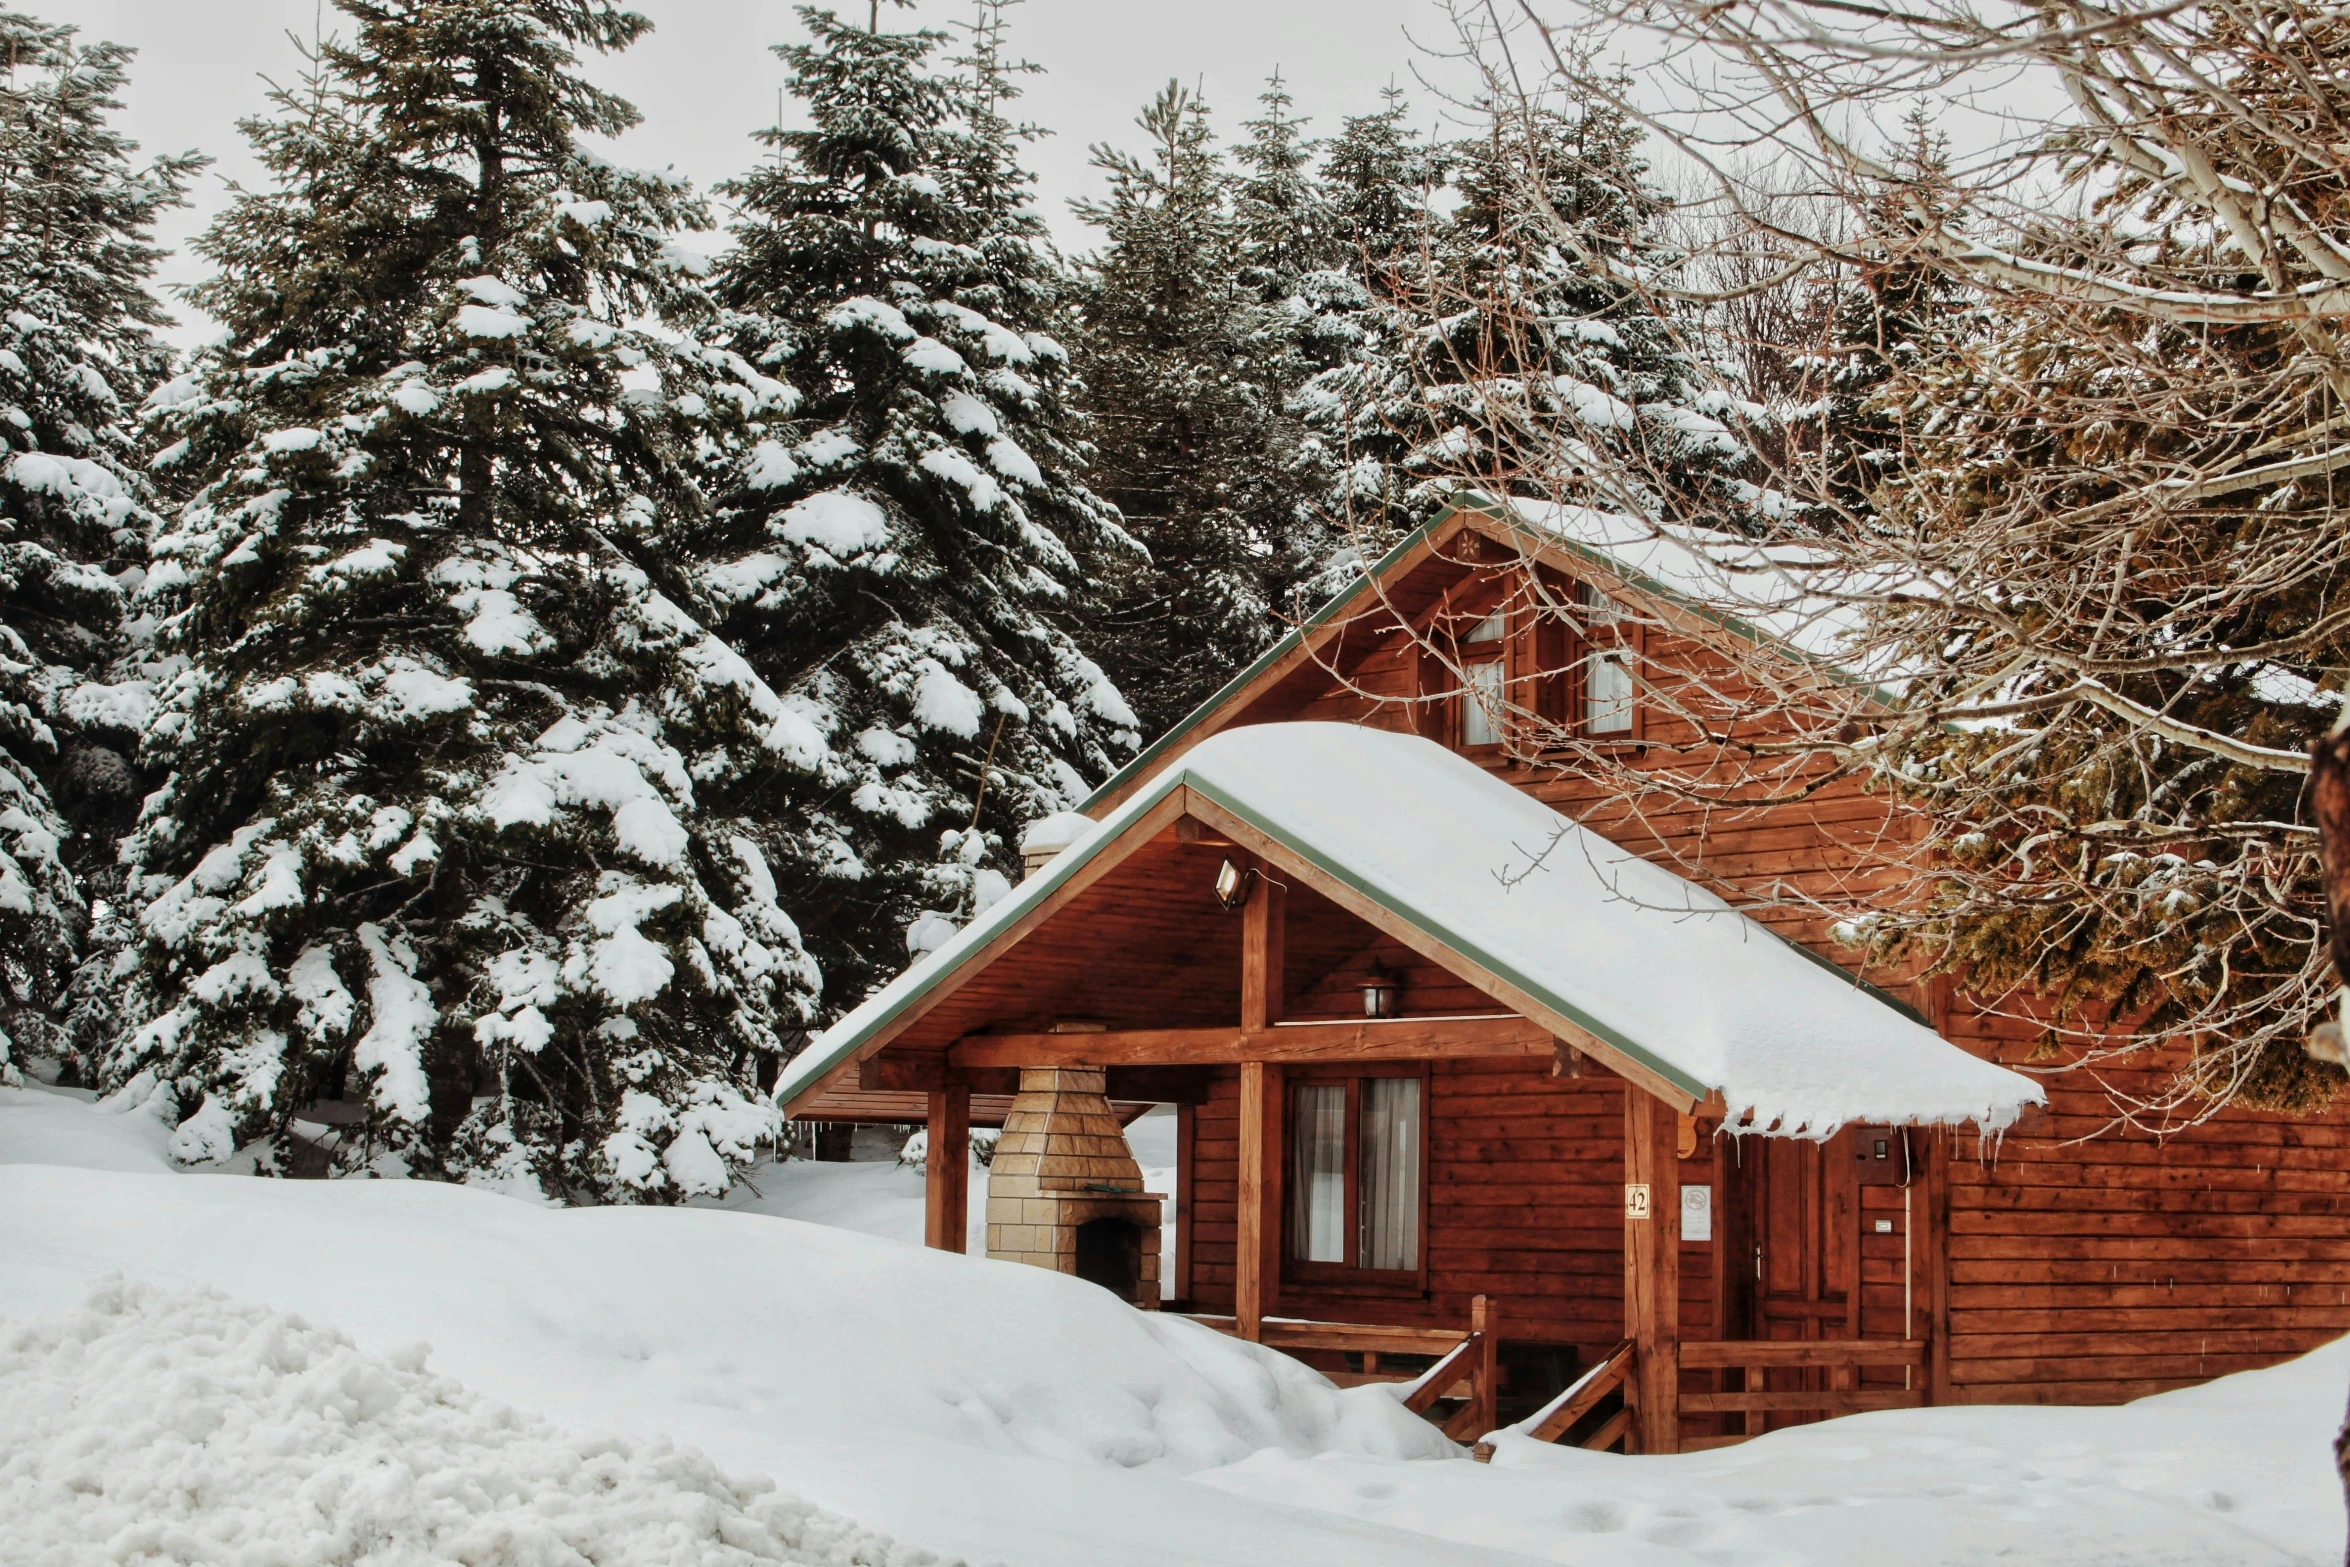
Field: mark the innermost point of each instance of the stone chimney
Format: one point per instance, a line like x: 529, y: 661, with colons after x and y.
x: 1064, y: 1191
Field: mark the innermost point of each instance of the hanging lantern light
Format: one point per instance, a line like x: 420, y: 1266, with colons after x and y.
x: 1380, y: 992
x: 1233, y: 884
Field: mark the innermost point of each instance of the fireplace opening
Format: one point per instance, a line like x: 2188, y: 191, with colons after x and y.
x: 1109, y: 1253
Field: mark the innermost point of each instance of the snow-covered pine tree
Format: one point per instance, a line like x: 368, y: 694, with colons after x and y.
x: 1543, y: 356
x: 1297, y: 264
x: 1183, y: 366
x: 894, y: 555
x: 1286, y: 226
x: 454, y: 828
x: 1884, y: 323
x: 1376, y: 178
x: 78, y: 354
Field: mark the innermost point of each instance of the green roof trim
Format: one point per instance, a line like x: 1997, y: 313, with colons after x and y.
x: 1499, y: 511
x: 894, y: 999
x: 1287, y: 643
x: 883, y: 1010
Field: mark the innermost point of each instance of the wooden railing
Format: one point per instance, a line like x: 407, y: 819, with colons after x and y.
x: 1467, y: 1367
x: 1582, y: 1396
x: 1829, y: 1356
x: 1467, y: 1370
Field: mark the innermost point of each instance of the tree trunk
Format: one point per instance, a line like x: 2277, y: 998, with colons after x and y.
x: 2329, y: 798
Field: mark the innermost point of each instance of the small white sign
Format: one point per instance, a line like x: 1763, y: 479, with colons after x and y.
x: 1697, y: 1213
x: 1636, y: 1202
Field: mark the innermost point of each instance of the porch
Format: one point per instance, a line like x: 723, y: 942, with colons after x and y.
x: 1575, y: 1269
x: 1528, y: 1146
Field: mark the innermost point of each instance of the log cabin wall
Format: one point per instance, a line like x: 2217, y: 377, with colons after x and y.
x: 1525, y: 1204
x: 2046, y: 1270
x: 2100, y: 1271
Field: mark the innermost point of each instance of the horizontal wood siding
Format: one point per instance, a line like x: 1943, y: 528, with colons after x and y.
x: 1525, y: 1206
x: 2082, y: 1273
x: 2101, y: 1270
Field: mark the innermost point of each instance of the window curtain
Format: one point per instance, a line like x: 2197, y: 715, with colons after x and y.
x: 1481, y: 705
x: 1391, y: 1173
x: 1608, y: 699
x: 1317, y: 1174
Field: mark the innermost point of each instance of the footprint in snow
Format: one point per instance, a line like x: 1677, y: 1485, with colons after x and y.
x: 1594, y: 1518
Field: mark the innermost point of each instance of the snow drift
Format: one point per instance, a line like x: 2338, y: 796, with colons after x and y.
x: 168, y: 1428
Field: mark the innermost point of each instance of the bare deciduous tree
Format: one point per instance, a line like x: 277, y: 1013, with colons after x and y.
x: 2067, y: 573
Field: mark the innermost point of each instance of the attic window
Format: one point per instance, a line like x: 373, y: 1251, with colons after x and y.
x: 1607, y: 669
x: 1481, y: 703
x: 1483, y: 680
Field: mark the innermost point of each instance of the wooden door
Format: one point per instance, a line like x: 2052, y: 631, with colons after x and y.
x: 1806, y: 1238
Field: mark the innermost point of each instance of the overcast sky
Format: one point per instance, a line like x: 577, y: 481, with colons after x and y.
x: 704, y: 79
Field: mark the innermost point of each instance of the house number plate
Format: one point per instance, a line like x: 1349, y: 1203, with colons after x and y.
x: 1636, y: 1201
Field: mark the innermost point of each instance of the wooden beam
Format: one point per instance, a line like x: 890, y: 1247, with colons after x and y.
x: 928, y: 1072
x: 1585, y: 1394
x: 1186, y: 1196
x: 1257, y: 1254
x: 923, y: 1074
x: 1264, y: 938
x: 1459, y: 1362
x: 1351, y: 1337
x: 1157, y: 1085
x: 1930, y: 1257
x: 1843, y: 1403
x: 1619, y: 1425
x: 1652, y: 1269
x: 1485, y: 1331
x: 946, y: 1186
x: 1804, y: 1352
x: 1355, y: 1039
x: 1376, y: 915
x: 1105, y: 860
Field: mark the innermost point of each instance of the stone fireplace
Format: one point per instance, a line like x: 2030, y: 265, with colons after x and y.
x: 1064, y: 1191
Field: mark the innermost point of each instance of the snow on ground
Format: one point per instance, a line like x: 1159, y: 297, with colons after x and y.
x: 156, y: 1427
x: 45, y: 1126
x: 2236, y: 1472
x: 981, y: 1409
x: 875, y: 1197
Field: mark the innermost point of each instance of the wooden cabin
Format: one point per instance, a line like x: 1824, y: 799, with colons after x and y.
x: 1471, y: 1066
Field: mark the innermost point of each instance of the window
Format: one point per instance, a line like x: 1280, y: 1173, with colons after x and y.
x: 1355, y: 1173
x: 1481, y: 703
x: 1607, y: 695
x: 1484, y: 680
x: 1607, y: 670
x: 1317, y: 1201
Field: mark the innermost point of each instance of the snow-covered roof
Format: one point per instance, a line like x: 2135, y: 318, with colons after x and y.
x: 1776, y: 595
x: 1603, y: 942
x: 1770, y: 592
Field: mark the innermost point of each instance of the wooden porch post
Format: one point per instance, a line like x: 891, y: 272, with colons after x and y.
x: 1652, y: 1268
x: 946, y: 1188
x: 1257, y: 1255
x: 1256, y: 1268
x: 1930, y: 1256
x: 1186, y: 1163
